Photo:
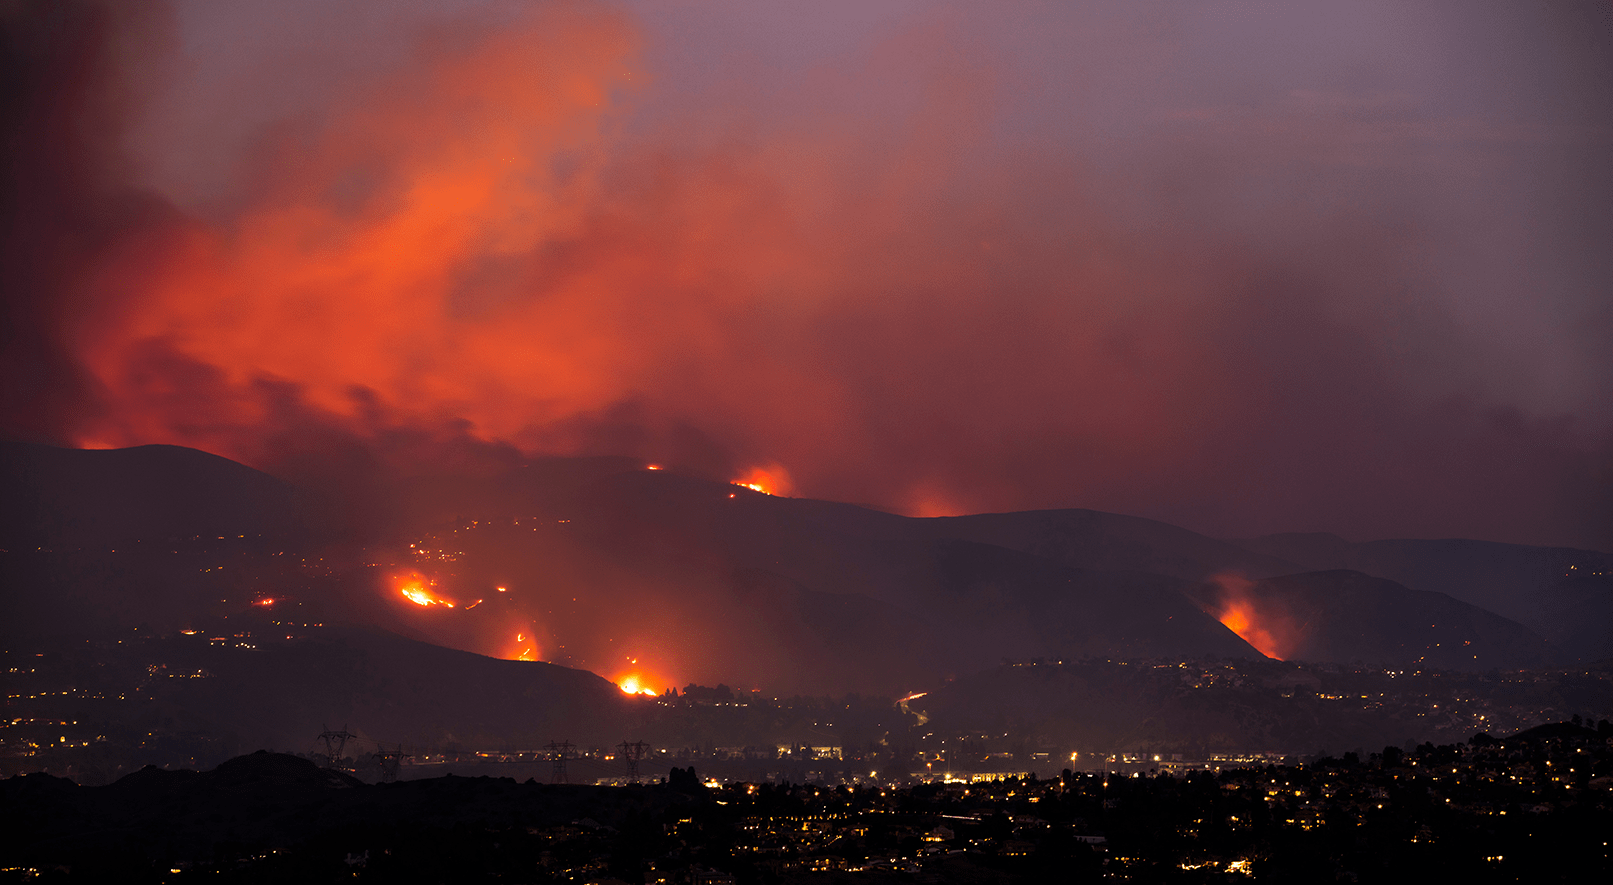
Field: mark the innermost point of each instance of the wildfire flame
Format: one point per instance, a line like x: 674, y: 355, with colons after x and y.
x: 633, y: 685
x: 1242, y: 616
x: 1239, y: 617
x: 419, y: 596
x: 770, y: 480
x: 415, y: 588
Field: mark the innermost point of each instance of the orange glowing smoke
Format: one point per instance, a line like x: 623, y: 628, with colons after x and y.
x: 450, y: 247
x: 770, y: 480
x: 1240, y: 619
x: 492, y: 239
x: 1269, y: 631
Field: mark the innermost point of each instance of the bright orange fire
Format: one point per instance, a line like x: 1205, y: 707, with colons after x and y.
x: 770, y: 480
x: 415, y: 587
x: 1240, y: 619
x: 632, y: 685
x: 635, y: 681
x: 1240, y: 615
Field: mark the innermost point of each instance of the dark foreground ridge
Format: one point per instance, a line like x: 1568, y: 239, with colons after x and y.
x: 1533, y: 807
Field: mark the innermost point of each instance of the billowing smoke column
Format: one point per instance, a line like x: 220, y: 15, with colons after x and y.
x: 1216, y: 270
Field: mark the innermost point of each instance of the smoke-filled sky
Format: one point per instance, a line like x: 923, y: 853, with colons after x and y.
x: 1245, y: 267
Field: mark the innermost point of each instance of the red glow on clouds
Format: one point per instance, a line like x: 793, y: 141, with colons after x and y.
x: 473, y: 242
x: 427, y: 287
x: 939, y: 269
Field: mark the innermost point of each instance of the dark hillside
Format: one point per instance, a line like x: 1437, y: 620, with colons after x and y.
x: 72, y: 498
x: 1565, y: 595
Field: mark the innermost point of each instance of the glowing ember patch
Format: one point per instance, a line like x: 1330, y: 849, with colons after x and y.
x: 417, y: 593
x: 419, y: 589
x: 265, y: 602
x: 652, y: 467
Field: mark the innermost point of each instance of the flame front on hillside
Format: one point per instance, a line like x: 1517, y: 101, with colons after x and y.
x: 415, y: 587
x: 770, y: 480
x: 1268, y: 631
x: 635, y: 682
x: 630, y: 685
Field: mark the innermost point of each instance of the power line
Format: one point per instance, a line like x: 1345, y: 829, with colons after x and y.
x: 633, y: 752
x: 390, y: 760
x: 335, y: 742
x: 558, y: 751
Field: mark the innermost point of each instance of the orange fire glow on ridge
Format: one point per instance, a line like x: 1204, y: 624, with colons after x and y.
x: 635, y: 682
x: 771, y: 480
x: 632, y: 685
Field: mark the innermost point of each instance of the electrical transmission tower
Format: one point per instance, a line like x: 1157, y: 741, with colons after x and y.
x: 557, y: 755
x: 390, y: 760
x: 633, y: 752
x: 335, y: 742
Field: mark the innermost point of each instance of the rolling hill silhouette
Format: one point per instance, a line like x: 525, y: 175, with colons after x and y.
x: 714, y: 582
x: 1565, y: 595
